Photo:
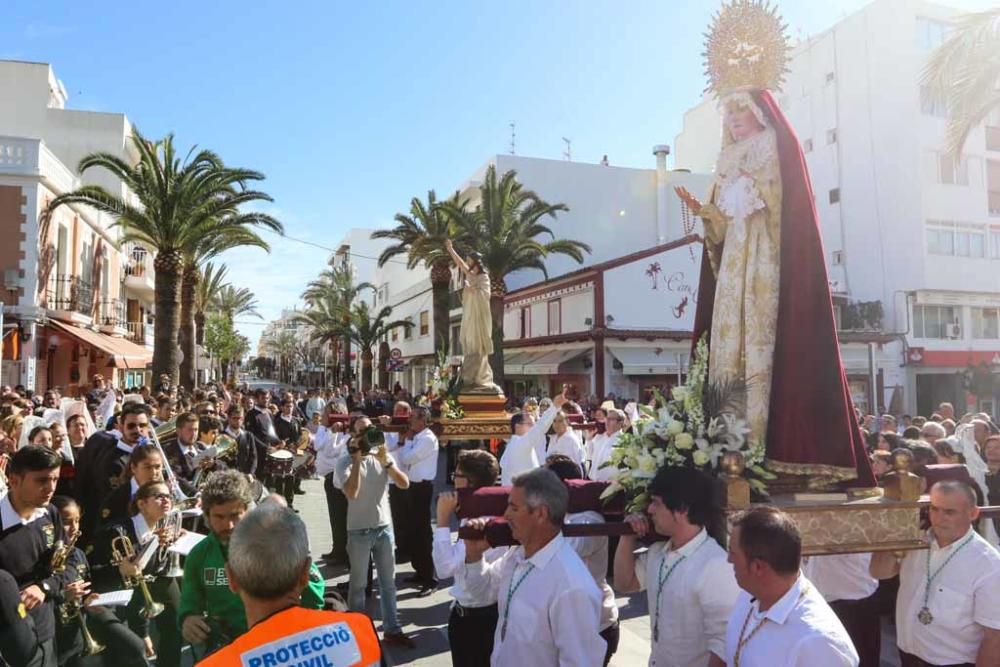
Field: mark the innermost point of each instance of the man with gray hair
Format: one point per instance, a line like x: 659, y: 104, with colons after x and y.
x: 268, y: 565
x: 549, y: 605
x: 932, y: 432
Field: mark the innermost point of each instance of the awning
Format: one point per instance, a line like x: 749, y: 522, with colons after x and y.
x: 549, y: 362
x: 646, y: 360
x: 121, y: 353
x: 513, y: 361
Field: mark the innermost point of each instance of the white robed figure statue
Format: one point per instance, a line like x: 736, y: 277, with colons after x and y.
x: 476, y: 332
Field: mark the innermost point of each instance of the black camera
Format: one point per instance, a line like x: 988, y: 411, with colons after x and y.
x: 369, y: 439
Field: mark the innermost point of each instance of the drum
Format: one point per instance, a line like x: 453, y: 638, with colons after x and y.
x: 258, y: 491
x: 280, y: 463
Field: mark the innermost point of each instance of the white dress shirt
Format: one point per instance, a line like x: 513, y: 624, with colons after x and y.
x: 964, y: 598
x: 695, y: 600
x: 554, y: 613
x: 567, y: 444
x: 602, y: 447
x: 841, y: 576
x: 799, y: 630
x: 449, y: 561
x: 593, y: 551
x: 522, y: 452
x: 9, y: 516
x: 329, y: 446
x: 419, y: 456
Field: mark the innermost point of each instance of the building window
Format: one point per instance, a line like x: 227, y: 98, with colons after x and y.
x: 834, y: 195
x: 995, y: 243
x: 807, y: 146
x: 830, y: 78
x: 555, y: 317
x: 456, y: 339
x: 956, y: 239
x: 831, y: 136
x: 425, y: 323
x: 524, y: 323
x: 934, y: 321
x: 838, y: 257
x: 408, y: 331
x: 932, y: 105
x: 952, y: 171
x: 930, y: 33
x: 986, y: 323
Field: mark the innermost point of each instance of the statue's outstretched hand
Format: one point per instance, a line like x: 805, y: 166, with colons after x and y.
x: 688, y: 198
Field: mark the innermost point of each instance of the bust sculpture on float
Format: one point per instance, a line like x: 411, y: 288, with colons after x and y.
x: 764, y: 304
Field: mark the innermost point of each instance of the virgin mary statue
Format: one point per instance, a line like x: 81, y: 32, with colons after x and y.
x: 763, y: 299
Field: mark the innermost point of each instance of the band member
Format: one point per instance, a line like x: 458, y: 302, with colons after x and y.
x: 210, y: 613
x: 18, y: 639
x: 288, y: 427
x: 246, y: 450
x: 106, y: 629
x: 260, y: 424
x: 181, y: 453
x: 103, y: 464
x: 29, y: 529
x: 144, y: 465
x: 152, y: 502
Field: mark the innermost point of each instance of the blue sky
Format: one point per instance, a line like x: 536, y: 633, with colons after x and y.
x: 351, y: 109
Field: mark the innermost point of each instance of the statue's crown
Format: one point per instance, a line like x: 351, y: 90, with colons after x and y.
x: 745, y: 48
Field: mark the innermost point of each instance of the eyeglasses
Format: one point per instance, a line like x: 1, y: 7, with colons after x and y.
x: 161, y: 496
x: 459, y: 475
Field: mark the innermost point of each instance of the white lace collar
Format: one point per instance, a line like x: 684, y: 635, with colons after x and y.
x: 750, y: 155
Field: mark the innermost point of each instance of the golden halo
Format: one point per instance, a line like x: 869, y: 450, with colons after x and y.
x: 746, y: 48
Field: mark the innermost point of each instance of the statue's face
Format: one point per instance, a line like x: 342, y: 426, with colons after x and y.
x: 741, y: 122
x: 473, y: 265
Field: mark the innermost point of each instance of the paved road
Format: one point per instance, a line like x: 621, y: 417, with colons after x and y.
x: 425, y: 619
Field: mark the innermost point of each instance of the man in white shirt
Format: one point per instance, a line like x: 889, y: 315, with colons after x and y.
x: 690, y: 587
x: 314, y: 404
x: 330, y: 444
x: 779, y: 618
x: 473, y: 618
x: 845, y: 582
x: 948, y: 605
x: 419, y: 457
x: 549, y: 605
x: 526, y: 449
x: 564, y: 440
x: 594, y: 553
x: 602, y: 445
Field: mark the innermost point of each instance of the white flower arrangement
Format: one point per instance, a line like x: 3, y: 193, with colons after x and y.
x: 681, y: 434
x: 443, y: 386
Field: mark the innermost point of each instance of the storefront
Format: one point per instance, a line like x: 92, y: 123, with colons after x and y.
x: 544, y: 371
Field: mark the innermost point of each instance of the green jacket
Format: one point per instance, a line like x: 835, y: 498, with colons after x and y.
x: 205, y: 589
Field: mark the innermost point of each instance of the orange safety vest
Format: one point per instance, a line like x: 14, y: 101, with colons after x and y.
x: 298, y: 637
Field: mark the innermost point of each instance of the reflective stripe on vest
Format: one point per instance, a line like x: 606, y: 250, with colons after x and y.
x: 298, y: 637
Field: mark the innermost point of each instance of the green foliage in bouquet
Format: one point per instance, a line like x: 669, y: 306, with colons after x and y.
x: 445, y: 385
x: 700, y: 423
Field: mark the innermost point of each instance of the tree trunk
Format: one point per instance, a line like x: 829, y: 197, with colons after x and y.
x: 346, y: 349
x: 185, y: 337
x: 496, y: 311
x: 440, y: 284
x: 168, y: 297
x: 199, y: 327
x: 366, y: 369
x: 383, y: 370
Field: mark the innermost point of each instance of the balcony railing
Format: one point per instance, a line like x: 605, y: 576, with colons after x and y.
x: 111, y: 313
x: 138, y: 261
x: 140, y: 333
x: 70, y: 293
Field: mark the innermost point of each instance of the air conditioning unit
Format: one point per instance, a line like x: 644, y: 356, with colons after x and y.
x: 954, y: 331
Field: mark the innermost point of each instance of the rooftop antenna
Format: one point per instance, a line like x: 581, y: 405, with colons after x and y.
x: 513, y: 137
x: 568, y: 153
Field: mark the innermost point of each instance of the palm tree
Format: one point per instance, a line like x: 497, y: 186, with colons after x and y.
x: 175, y: 203
x: 421, y: 236
x: 363, y: 328
x: 504, y: 228
x: 964, y: 73
x: 335, y: 287
x: 283, y: 345
x: 231, y: 302
x: 210, y: 281
x: 197, y: 254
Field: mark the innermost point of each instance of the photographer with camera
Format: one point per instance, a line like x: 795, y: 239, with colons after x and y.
x: 365, y: 474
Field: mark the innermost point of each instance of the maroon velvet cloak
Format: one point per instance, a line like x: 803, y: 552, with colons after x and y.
x: 811, y: 422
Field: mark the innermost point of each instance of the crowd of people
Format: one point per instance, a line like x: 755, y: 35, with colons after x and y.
x: 197, y: 526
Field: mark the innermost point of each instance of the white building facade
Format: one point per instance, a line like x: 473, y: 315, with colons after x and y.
x: 906, y: 228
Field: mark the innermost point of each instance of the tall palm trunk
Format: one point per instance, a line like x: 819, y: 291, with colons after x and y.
x: 498, y: 289
x: 199, y: 327
x: 366, y: 369
x: 440, y: 284
x: 346, y: 348
x: 383, y: 370
x: 168, y: 298
x: 185, y: 338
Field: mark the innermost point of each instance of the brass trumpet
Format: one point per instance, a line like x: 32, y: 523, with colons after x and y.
x: 122, y: 551
x: 225, y: 450
x: 171, y: 523
x: 61, y: 552
x: 69, y: 611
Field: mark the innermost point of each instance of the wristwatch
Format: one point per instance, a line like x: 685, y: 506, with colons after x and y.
x: 389, y: 464
x: 46, y: 588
